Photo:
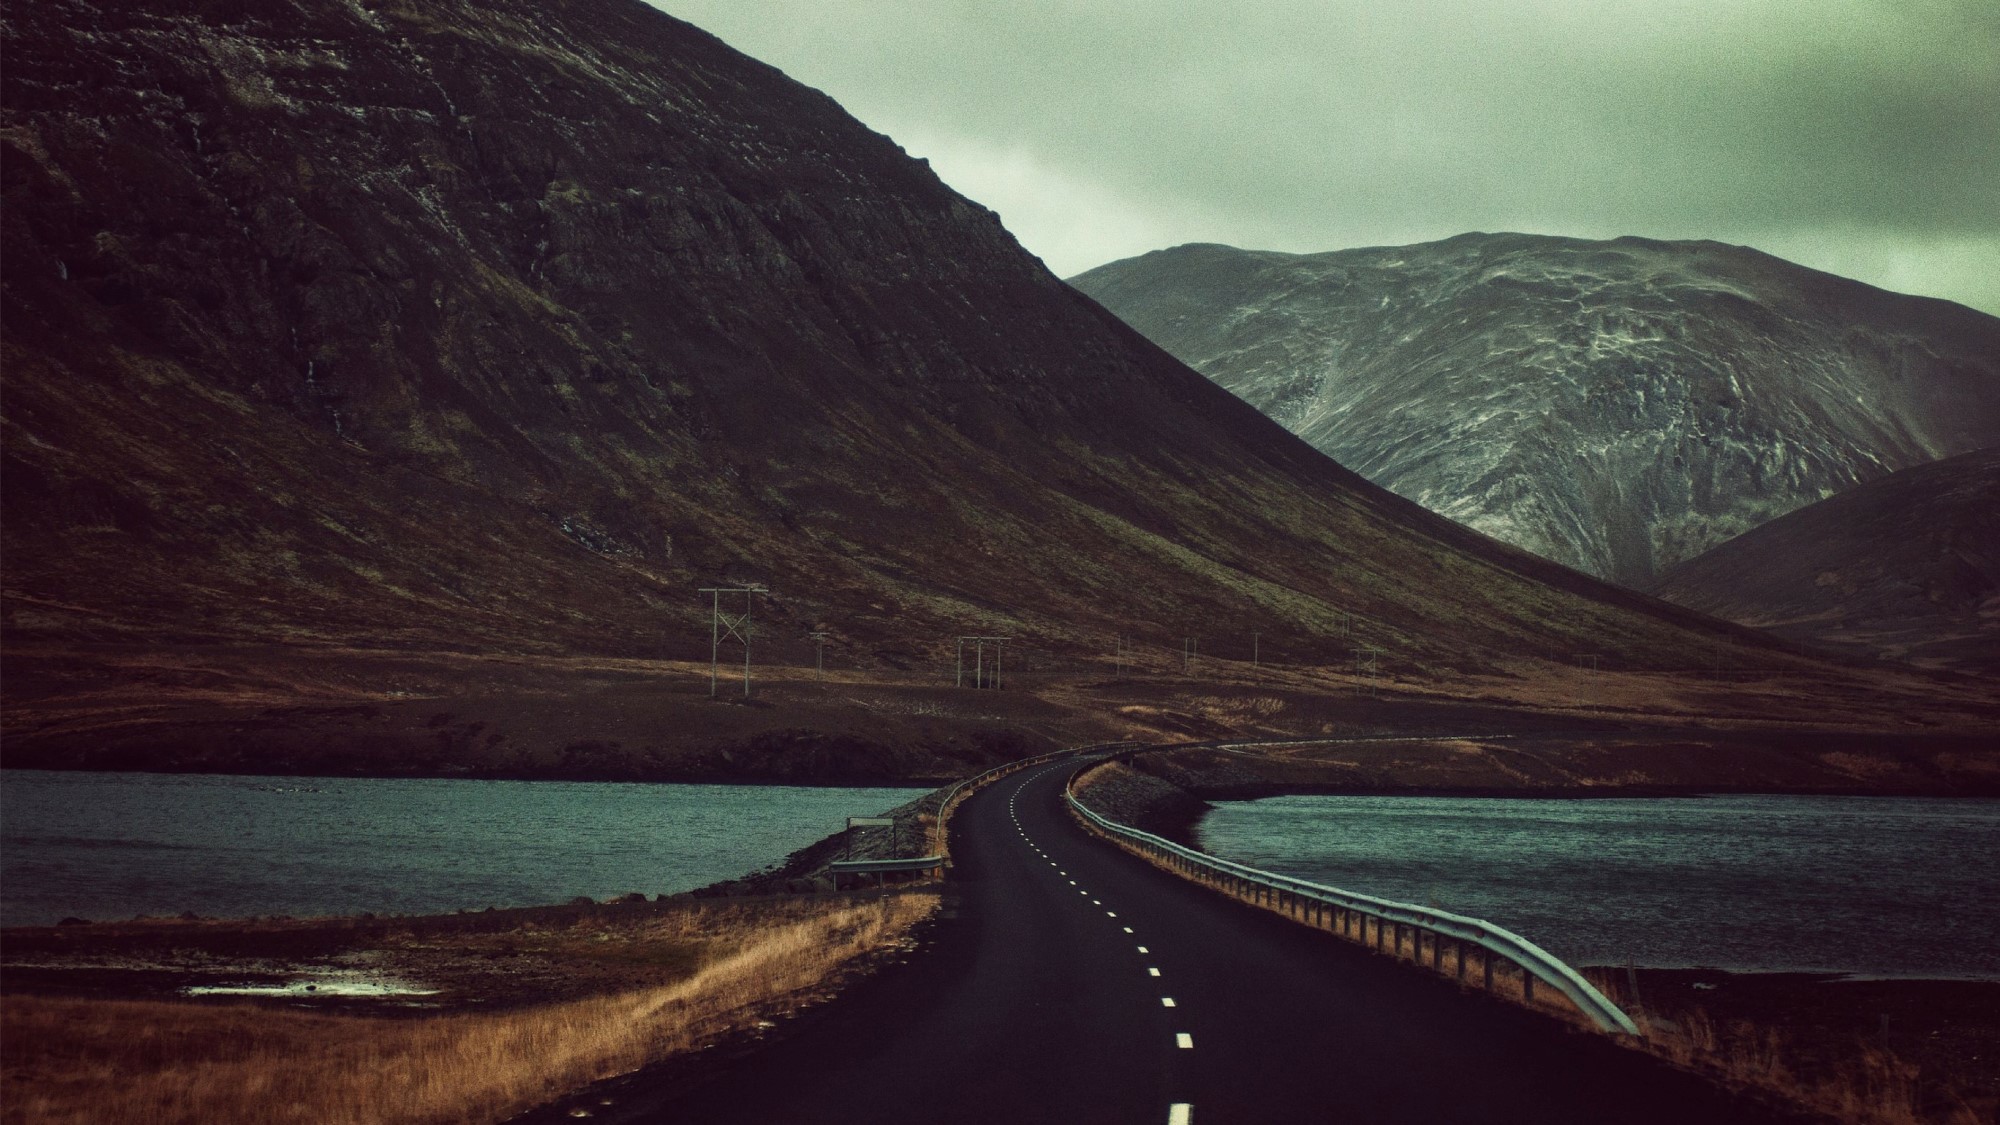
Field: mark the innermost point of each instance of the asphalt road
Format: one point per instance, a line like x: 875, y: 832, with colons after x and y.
x: 1072, y: 983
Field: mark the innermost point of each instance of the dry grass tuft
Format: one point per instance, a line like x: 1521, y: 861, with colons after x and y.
x: 1868, y: 1086
x: 86, y: 1061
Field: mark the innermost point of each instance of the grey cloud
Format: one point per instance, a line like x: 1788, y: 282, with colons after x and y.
x: 1866, y: 132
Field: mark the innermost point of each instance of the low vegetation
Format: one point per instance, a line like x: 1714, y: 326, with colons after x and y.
x: 1857, y: 1081
x: 68, y: 1060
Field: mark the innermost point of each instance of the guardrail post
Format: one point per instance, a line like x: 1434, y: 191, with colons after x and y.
x: 1437, y: 952
x: 1486, y: 962
x: 1527, y: 986
x: 1458, y: 949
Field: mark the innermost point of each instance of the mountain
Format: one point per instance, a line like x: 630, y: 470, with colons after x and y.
x: 1907, y: 566
x: 1615, y: 406
x: 389, y: 379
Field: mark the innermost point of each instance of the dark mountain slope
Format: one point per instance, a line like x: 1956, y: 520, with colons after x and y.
x: 1906, y: 566
x: 1616, y: 406
x: 503, y: 327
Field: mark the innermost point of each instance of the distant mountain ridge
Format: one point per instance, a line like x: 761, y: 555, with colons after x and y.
x: 1907, y: 567
x: 1617, y: 406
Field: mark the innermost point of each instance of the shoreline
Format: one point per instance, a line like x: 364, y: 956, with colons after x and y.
x: 799, y: 869
x: 1942, y: 1047
x: 1234, y: 791
x: 522, y: 1006
x: 761, y: 781
x: 1916, y: 1048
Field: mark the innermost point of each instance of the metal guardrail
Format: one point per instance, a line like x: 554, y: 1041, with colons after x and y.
x: 997, y: 772
x: 912, y: 863
x: 1352, y: 913
x: 846, y: 869
x: 937, y: 857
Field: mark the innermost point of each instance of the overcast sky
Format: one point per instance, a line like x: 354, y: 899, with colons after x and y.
x: 1857, y: 136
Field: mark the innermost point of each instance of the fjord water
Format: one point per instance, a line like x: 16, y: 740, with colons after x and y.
x: 1866, y: 885
x: 116, y: 845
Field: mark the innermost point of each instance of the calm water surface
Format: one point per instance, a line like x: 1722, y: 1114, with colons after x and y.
x: 115, y: 845
x: 1869, y: 885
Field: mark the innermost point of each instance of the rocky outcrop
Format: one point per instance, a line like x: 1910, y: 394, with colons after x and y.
x: 1617, y: 406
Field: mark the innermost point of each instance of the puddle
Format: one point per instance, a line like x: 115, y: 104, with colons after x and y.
x: 341, y: 985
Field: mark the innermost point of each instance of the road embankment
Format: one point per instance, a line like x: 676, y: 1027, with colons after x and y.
x: 1576, y: 764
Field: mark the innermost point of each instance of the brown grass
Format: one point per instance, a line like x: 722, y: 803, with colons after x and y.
x: 100, y: 1060
x: 1868, y: 1086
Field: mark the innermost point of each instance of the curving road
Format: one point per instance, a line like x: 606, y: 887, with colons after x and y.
x: 1072, y: 983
